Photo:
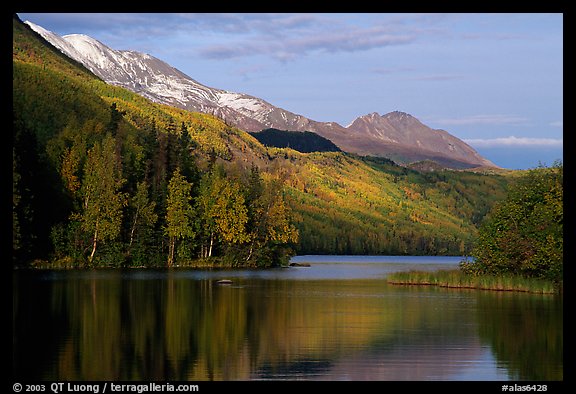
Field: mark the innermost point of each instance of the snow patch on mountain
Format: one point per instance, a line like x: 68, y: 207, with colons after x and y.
x: 240, y: 102
x: 60, y: 43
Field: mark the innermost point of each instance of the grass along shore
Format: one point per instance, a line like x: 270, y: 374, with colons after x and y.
x: 460, y: 280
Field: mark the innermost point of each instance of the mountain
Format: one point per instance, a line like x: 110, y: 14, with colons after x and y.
x: 162, y: 83
x: 396, y: 135
x: 410, y: 140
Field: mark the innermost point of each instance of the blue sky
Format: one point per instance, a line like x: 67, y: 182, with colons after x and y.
x: 493, y: 80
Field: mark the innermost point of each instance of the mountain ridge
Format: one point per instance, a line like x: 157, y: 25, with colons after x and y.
x: 395, y: 135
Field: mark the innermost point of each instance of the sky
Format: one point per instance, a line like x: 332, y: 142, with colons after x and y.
x: 492, y: 80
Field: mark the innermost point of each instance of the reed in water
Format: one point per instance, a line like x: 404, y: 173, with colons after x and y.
x: 459, y: 279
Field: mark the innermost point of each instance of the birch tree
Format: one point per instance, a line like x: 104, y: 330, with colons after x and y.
x: 102, y: 199
x: 223, y: 211
x: 179, y: 212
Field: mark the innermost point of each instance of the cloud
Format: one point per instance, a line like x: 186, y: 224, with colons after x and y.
x: 87, y: 23
x: 289, y: 45
x: 282, y: 36
x: 513, y: 141
x: 495, y: 119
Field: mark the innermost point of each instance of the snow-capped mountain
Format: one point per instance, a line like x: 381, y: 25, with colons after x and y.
x: 160, y: 82
x: 396, y: 135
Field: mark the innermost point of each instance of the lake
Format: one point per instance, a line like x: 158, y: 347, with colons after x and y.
x: 335, y: 320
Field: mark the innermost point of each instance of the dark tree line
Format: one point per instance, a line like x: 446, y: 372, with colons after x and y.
x: 302, y: 141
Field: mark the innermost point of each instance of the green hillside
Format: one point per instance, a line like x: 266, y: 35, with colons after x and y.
x: 102, y: 176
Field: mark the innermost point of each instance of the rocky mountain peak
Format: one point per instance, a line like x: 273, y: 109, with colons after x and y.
x: 394, y: 119
x: 401, y: 118
x: 398, y: 115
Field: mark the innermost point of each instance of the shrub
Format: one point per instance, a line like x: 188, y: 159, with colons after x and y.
x: 524, y: 234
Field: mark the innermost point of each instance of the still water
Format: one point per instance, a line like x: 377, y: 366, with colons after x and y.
x: 334, y: 320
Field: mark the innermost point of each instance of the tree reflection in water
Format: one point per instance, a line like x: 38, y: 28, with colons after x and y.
x: 114, y: 325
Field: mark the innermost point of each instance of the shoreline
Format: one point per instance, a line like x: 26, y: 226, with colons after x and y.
x: 455, y: 279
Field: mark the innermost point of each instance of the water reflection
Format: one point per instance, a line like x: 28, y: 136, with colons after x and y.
x: 113, y: 325
x: 521, y: 328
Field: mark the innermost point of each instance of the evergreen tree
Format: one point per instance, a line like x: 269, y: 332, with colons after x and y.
x: 160, y: 167
x: 115, y: 118
x: 37, y: 200
x: 186, y: 160
x: 143, y: 214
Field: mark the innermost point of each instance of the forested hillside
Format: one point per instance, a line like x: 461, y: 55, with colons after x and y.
x: 102, y: 176
x: 301, y: 141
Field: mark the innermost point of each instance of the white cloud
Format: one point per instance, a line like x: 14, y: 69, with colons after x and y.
x: 512, y: 141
